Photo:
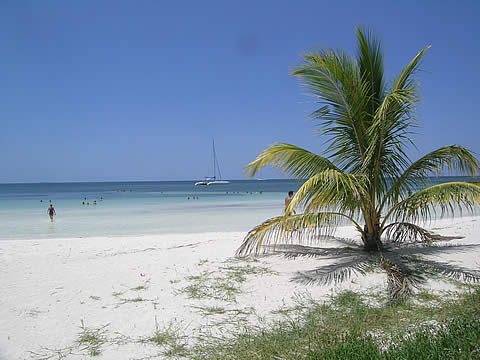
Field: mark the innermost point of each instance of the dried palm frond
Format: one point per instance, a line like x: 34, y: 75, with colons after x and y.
x: 404, y: 232
x: 401, y: 278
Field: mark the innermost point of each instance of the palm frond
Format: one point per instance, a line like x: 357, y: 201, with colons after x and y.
x: 454, y: 159
x: 448, y: 198
x: 291, y: 160
x: 336, y: 272
x: 330, y: 189
x: 370, y: 62
x: 301, y: 228
x: 390, y: 130
x: 333, y: 78
x: 402, y: 279
x: 389, y: 134
x: 404, y: 80
x: 404, y: 232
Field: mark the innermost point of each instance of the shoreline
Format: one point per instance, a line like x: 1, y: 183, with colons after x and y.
x: 135, y: 283
x: 427, y: 224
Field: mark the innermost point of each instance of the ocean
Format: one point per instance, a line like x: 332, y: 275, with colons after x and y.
x: 137, y: 208
x: 140, y: 208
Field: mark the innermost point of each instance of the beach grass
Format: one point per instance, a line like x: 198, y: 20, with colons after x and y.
x: 223, y: 284
x: 169, y: 338
x: 132, y: 300
x: 139, y: 288
x: 91, y: 340
x: 349, y: 327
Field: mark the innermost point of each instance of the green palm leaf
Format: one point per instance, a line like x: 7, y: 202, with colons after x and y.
x: 331, y: 189
x: 291, y: 160
x: 390, y: 129
x: 454, y: 159
x: 334, y: 80
x: 302, y: 228
x: 447, y: 198
x: 371, y: 65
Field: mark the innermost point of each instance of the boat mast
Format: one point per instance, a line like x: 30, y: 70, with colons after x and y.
x: 214, y: 161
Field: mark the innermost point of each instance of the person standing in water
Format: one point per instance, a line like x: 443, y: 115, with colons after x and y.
x: 287, y: 201
x: 51, y: 212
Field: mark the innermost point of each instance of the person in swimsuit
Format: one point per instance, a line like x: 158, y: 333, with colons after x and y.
x: 287, y: 201
x: 51, y: 212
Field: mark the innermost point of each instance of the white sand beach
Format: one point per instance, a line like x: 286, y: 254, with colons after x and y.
x: 131, y: 285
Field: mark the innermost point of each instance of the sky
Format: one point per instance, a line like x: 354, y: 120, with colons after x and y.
x: 137, y: 90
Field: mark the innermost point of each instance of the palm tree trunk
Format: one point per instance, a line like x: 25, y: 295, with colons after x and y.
x: 371, y: 233
x: 371, y: 240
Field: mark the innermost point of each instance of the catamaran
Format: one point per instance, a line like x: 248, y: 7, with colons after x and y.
x: 212, y: 180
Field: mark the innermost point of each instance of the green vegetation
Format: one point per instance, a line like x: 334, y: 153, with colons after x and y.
x: 364, y: 176
x: 211, y: 310
x: 132, y: 300
x: 170, y: 338
x: 349, y: 328
x: 91, y: 340
x: 139, y: 288
x: 202, y: 262
x: 223, y: 285
x: 142, y: 287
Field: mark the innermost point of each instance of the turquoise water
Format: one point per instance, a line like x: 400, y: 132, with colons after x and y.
x: 140, y: 208
x: 137, y: 208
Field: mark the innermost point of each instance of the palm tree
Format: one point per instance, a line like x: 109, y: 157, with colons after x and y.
x: 365, y: 176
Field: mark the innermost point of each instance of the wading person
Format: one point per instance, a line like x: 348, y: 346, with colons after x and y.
x: 287, y: 201
x: 51, y: 212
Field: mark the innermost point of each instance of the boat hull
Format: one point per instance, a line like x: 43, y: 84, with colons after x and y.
x: 201, y: 183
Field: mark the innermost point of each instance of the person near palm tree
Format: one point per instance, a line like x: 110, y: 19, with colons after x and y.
x: 287, y: 201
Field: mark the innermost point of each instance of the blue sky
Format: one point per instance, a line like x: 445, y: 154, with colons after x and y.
x: 136, y: 90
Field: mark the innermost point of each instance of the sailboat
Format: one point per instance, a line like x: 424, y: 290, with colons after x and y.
x: 212, y: 180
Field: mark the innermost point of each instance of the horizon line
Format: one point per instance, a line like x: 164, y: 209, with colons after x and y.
x: 122, y: 181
